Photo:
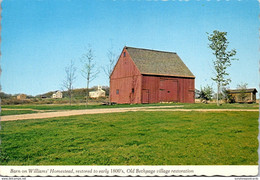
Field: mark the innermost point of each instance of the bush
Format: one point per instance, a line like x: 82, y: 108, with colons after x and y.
x: 14, y: 101
x: 206, y: 93
x: 227, y: 96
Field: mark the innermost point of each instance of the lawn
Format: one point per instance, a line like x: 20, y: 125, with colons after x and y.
x: 133, y: 138
x: 74, y: 106
x: 78, y: 107
x: 14, y: 112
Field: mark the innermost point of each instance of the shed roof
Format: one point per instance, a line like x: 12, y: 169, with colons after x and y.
x: 158, y: 62
x: 240, y: 90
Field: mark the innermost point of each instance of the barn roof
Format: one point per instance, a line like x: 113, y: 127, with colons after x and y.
x: 158, y: 62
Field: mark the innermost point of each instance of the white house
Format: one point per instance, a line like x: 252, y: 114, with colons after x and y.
x: 99, y: 93
x: 21, y: 97
x: 57, y: 95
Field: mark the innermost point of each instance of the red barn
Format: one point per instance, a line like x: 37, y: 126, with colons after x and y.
x: 150, y: 76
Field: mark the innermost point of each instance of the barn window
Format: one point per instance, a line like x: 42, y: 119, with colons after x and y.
x: 133, y: 90
x: 117, y: 91
x: 124, y: 54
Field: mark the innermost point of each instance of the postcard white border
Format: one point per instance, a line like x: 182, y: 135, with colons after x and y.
x: 180, y: 170
x: 220, y: 170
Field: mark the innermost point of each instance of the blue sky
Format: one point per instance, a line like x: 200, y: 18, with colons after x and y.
x: 39, y: 38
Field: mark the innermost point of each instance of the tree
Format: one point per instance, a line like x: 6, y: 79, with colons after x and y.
x: 206, y: 93
x: 197, y: 93
x: 218, y: 44
x: 110, y: 66
x: 242, y: 95
x: 70, y: 71
x: 225, y: 93
x: 111, y: 63
x: 89, y: 70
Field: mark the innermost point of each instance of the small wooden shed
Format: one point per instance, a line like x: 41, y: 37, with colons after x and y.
x: 243, y: 95
x: 151, y: 76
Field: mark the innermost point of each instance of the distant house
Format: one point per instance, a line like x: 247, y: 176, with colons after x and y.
x: 246, y: 95
x: 57, y: 95
x: 21, y: 97
x: 98, y: 93
x: 150, y: 76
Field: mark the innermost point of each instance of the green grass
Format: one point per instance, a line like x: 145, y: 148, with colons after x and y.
x: 133, y: 138
x: 15, y: 109
x: 52, y: 108
x: 15, y: 112
x: 223, y: 106
x: 73, y: 107
x: 186, y: 106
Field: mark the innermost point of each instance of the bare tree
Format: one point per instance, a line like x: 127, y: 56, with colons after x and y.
x: 110, y: 66
x: 108, y: 69
x: 89, y: 70
x: 70, y: 78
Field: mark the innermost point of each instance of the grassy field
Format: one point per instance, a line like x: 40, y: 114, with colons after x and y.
x: 82, y: 106
x: 133, y: 138
x: 14, y: 112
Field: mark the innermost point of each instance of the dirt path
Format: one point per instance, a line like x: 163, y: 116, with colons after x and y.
x: 107, y: 110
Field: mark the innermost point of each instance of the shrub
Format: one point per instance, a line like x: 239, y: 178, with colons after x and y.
x: 206, y: 93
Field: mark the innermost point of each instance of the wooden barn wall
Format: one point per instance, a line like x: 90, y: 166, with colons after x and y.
x: 187, y: 90
x: 124, y: 86
x: 155, y: 85
x: 124, y: 78
x: 151, y: 84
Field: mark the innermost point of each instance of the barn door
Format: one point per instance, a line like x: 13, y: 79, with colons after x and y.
x: 145, y: 96
x: 168, y: 90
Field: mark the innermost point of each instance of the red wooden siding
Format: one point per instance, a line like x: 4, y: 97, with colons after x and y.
x: 150, y: 84
x: 125, y: 78
x: 168, y: 89
x: 145, y: 96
